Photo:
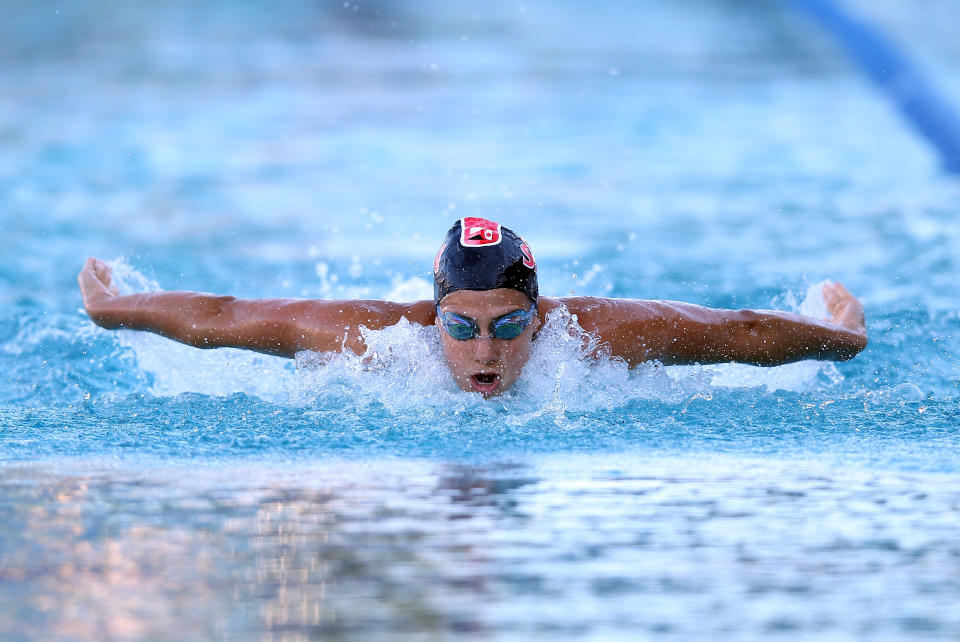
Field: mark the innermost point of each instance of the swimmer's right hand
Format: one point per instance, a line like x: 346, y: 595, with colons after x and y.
x: 845, y: 310
x: 96, y: 283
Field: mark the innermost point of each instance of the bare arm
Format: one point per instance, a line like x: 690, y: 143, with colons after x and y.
x: 279, y: 327
x: 681, y: 333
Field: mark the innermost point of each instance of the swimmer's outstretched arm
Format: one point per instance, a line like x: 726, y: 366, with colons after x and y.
x: 681, y: 333
x: 279, y: 327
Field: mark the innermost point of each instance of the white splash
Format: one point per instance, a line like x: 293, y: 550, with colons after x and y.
x: 128, y: 280
x: 403, y: 368
x: 174, y: 368
x: 562, y: 373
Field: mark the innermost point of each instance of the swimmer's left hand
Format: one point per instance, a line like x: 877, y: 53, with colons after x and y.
x: 845, y: 310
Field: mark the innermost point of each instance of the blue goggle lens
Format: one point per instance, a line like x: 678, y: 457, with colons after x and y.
x: 460, y: 331
x: 509, y: 326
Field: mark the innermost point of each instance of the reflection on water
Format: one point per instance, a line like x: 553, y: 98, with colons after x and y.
x: 117, y: 555
x: 380, y: 550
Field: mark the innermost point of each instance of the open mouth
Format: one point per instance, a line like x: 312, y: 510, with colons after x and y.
x: 485, y: 382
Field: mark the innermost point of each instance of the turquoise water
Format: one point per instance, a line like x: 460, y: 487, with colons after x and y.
x: 712, y: 152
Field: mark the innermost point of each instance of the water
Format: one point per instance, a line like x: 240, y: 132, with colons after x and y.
x: 711, y: 152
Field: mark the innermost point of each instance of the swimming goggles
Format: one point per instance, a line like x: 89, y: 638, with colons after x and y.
x: 509, y: 326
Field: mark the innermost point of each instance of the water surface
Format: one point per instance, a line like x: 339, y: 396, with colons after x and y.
x: 710, y: 152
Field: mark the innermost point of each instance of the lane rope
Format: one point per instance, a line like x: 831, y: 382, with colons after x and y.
x: 904, y: 83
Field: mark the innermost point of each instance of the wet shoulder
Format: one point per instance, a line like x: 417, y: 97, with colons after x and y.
x: 588, y: 311
x: 602, y: 314
x: 420, y: 312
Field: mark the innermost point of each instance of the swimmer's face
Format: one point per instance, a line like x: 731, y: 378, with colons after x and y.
x: 484, y: 364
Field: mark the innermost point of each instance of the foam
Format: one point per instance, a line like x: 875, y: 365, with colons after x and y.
x: 403, y: 369
x: 173, y: 368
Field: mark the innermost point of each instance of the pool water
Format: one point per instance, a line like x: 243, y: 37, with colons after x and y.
x: 712, y: 152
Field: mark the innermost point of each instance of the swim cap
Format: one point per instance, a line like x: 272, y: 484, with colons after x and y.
x: 479, y: 254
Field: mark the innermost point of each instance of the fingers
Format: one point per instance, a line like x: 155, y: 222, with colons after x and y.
x: 99, y: 268
x: 842, y: 291
x: 94, y: 265
x: 831, y: 296
x: 829, y: 293
x: 834, y: 293
x: 844, y: 308
x: 96, y: 280
x: 103, y: 272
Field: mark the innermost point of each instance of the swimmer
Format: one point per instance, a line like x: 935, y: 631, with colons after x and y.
x: 487, y: 310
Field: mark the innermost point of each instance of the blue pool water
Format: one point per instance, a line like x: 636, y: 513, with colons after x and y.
x: 715, y: 152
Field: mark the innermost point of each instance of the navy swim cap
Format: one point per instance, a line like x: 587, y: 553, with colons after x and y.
x: 478, y: 254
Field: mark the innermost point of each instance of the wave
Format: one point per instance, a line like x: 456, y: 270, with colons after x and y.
x: 403, y: 369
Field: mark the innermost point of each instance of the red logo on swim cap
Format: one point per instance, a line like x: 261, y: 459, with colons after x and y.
x: 528, y: 256
x: 477, y: 232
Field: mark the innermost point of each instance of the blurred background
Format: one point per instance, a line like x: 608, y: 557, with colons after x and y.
x: 206, y: 138
x: 724, y: 152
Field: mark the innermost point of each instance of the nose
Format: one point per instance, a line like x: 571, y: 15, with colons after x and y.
x: 485, y: 349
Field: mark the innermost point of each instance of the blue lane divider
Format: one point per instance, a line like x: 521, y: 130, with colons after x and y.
x: 904, y: 82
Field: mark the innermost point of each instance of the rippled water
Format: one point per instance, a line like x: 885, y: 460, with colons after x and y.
x: 711, y: 152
